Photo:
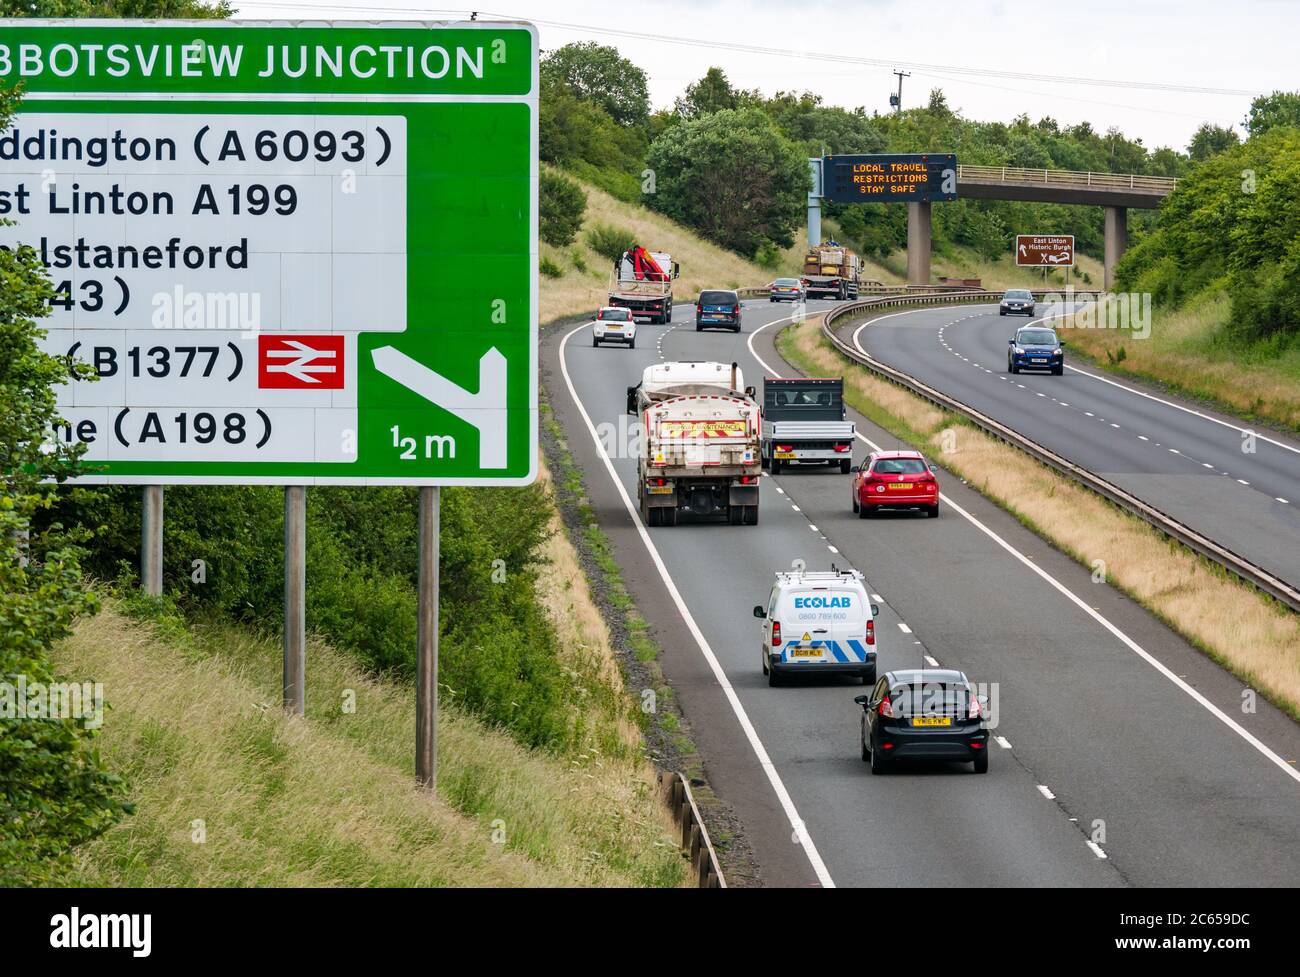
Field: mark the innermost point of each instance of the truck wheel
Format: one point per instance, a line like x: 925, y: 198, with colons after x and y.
x: 751, y: 515
x: 735, y: 514
x: 845, y: 466
x: 670, y: 515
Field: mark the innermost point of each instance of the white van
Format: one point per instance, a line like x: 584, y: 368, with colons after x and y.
x: 818, y: 622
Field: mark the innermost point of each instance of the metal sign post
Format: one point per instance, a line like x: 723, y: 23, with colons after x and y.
x: 151, y: 540
x: 426, y: 670
x: 295, y: 599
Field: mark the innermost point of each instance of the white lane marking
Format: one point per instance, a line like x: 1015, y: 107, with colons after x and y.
x: 1096, y: 849
x: 1096, y: 615
x: 1280, y: 499
x: 1206, y: 464
x: 875, y: 597
x: 1002, y: 742
x: 904, y: 628
x: 1143, y: 437
x: 1174, y: 451
x: 1186, y: 410
x: 831, y: 548
x: 812, y: 527
x: 932, y: 663
x: 795, y: 507
x: 1042, y: 788
x: 751, y: 734
x: 779, y: 490
x: 1243, y: 481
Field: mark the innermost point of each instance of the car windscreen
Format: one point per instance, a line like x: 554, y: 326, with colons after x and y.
x: 899, y: 466
x: 929, y: 699
x: 786, y: 282
x: 1018, y: 294
x: 802, y: 401
x: 615, y: 315
x: 1036, y: 337
x: 718, y: 298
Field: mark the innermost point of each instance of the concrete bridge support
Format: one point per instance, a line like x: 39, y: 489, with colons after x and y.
x: 1116, y: 241
x: 918, y: 243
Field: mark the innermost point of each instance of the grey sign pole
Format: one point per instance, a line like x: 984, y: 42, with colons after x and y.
x: 426, y: 669
x: 151, y: 540
x: 295, y: 598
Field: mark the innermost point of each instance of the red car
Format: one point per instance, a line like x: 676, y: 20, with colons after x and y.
x: 895, y: 480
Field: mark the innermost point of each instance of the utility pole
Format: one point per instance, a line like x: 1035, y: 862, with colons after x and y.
x: 897, y: 100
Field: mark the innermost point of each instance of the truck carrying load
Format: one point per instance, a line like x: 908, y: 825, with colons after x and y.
x: 643, y: 282
x: 832, y: 270
x: 804, y: 422
x: 700, y: 449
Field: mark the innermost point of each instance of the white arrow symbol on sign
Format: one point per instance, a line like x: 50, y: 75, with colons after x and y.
x: 299, y: 368
x: 485, y: 410
x: 1022, y: 249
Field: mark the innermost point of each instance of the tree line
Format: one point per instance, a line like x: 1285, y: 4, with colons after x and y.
x: 732, y: 163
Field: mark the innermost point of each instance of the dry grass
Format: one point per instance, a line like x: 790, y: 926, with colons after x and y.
x: 197, y: 729
x: 703, y: 265
x: 1186, y: 352
x: 1189, y: 593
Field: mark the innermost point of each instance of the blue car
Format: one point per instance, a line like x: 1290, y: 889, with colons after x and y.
x: 718, y: 309
x: 1035, y: 348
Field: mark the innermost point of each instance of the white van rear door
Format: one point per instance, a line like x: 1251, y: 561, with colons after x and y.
x: 821, y: 623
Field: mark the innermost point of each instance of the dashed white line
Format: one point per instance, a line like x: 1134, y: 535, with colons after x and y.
x: 812, y: 527
x: 1073, y: 598
x: 1096, y: 849
x: 1243, y: 481
x: 1143, y: 437
x: 901, y: 626
x: 1042, y: 788
x: 931, y: 662
x: 1282, y: 500
x: 831, y: 548
x: 1002, y: 742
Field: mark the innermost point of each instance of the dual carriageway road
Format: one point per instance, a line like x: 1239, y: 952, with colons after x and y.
x: 1123, y: 757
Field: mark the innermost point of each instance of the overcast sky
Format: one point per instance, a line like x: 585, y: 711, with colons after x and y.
x: 1247, y: 45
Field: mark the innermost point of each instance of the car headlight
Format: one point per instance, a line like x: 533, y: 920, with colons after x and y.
x: 1056, y: 352
x: 1020, y: 351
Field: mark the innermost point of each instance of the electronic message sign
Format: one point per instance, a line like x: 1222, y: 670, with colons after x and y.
x: 914, y: 178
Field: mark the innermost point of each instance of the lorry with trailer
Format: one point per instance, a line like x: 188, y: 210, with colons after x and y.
x: 643, y: 282
x: 805, y: 423
x: 832, y: 270
x: 698, y: 443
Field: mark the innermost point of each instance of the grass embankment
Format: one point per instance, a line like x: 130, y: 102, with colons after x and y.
x: 1191, y: 352
x: 1184, y: 590
x: 230, y: 791
x: 584, y: 284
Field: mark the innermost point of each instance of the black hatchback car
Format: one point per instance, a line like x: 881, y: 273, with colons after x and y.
x: 923, y: 714
x: 717, y: 309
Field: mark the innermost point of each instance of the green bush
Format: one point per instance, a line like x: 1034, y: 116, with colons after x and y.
x: 560, y: 210
x: 549, y: 268
x: 609, y: 241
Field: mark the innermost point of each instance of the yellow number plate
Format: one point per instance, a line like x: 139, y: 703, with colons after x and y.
x: 661, y: 489
x: 783, y: 454
x: 932, y: 721
x: 805, y: 652
x: 901, y: 485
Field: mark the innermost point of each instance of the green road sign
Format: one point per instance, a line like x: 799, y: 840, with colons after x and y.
x: 294, y: 254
